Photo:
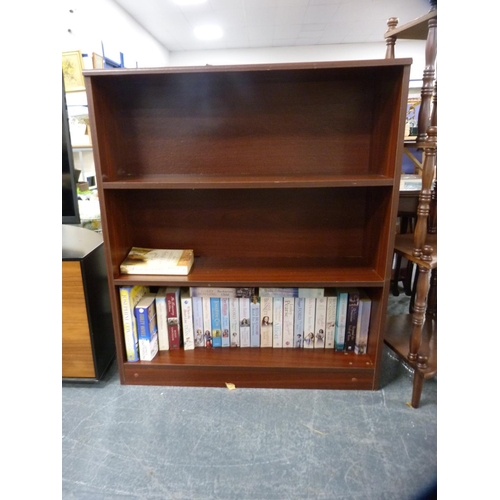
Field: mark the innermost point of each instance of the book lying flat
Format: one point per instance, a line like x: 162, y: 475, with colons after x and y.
x: 157, y: 261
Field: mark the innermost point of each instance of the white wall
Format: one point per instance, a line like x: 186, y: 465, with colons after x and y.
x: 342, y: 52
x: 96, y: 21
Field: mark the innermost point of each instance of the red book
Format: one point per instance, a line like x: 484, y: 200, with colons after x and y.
x: 173, y: 317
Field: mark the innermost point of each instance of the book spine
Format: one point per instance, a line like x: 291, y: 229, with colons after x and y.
x: 266, y: 321
x: 311, y: 293
x: 298, y: 326
x: 278, y: 292
x: 129, y: 297
x: 198, y: 321
x: 173, y: 318
x: 234, y: 322
x: 363, y: 325
x: 309, y: 322
x: 331, y: 313
x: 320, y: 323
x: 244, y: 321
x: 147, y: 332
x: 216, y: 321
x: 224, y: 317
x: 288, y: 317
x: 207, y: 322
x: 351, y: 320
x: 228, y: 293
x: 187, y: 322
x: 340, y: 321
x: 277, y: 322
x: 161, y: 319
x: 254, y: 322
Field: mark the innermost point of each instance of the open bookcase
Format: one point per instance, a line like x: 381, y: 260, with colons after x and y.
x: 276, y: 175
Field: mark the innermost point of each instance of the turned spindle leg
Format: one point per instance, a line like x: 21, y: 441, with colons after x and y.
x: 390, y: 41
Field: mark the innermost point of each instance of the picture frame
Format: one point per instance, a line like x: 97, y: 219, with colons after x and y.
x: 97, y: 61
x: 72, y: 67
x: 412, y: 110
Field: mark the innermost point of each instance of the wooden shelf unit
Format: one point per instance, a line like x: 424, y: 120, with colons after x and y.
x: 276, y: 175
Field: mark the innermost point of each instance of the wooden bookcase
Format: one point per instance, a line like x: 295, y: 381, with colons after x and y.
x: 276, y: 175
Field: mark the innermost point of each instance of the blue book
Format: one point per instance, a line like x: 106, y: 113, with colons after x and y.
x: 147, y: 330
x: 215, y: 314
x: 299, y: 322
x: 340, y: 321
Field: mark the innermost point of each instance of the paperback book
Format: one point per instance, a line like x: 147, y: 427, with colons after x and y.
x: 352, y: 319
x: 157, y: 261
x: 340, y: 321
x: 173, y: 295
x: 288, y: 317
x: 187, y: 320
x: 244, y: 321
x: 266, y: 321
x: 234, y: 322
x: 298, y: 326
x: 320, y: 323
x: 129, y: 297
x: 230, y: 293
x: 145, y: 315
x: 207, y: 322
x: 254, y: 322
x: 198, y: 322
x: 161, y: 318
x: 215, y: 314
x: 277, y: 322
x: 224, y: 317
x: 363, y: 328
x: 309, y: 322
x: 331, y: 313
x: 278, y: 292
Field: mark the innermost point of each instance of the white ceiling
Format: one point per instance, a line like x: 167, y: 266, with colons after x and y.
x: 270, y: 23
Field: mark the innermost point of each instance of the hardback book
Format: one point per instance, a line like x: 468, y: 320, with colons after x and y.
x: 161, y: 318
x: 340, y: 321
x: 277, y: 322
x: 199, y: 340
x: 320, y: 323
x: 254, y: 321
x: 331, y: 313
x: 244, y: 321
x: 224, y: 317
x: 230, y: 293
x: 207, y: 322
x: 215, y: 314
x: 288, y: 317
x: 363, y: 328
x: 351, y: 319
x: 173, y: 295
x: 298, y: 325
x: 278, y: 292
x: 311, y: 293
x: 157, y: 261
x: 147, y: 330
x: 129, y: 297
x: 234, y: 322
x: 266, y: 321
x: 187, y: 320
x: 309, y: 322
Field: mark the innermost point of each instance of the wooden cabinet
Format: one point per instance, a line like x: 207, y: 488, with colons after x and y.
x: 276, y: 175
x: 88, y: 346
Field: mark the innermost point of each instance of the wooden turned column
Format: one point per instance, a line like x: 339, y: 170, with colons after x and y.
x: 419, y: 310
x: 424, y: 115
x: 424, y: 203
x: 390, y: 41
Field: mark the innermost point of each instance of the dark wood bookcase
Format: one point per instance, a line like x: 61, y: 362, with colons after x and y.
x: 276, y: 175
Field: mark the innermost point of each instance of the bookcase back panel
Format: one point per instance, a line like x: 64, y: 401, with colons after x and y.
x: 322, y: 223
x: 248, y: 122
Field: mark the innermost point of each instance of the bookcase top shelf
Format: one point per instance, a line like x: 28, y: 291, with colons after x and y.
x: 245, y: 181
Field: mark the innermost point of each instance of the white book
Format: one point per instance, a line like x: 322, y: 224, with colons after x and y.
x: 161, y: 318
x: 331, y: 313
x: 277, y: 322
x: 229, y: 293
x: 311, y: 293
x: 288, y: 319
x: 198, y: 321
x: 224, y: 316
x: 187, y: 320
x: 363, y: 326
x: 207, y: 322
x: 278, y: 292
x: 266, y: 321
x: 309, y: 322
x: 254, y: 322
x: 299, y: 322
x: 320, y: 323
x: 234, y: 322
x: 244, y: 321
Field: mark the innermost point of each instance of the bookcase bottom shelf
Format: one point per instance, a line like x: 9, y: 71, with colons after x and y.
x: 257, y: 368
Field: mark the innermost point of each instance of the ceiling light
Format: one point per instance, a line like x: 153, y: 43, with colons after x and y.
x: 208, y: 32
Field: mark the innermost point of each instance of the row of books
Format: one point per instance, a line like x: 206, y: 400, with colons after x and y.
x: 171, y: 318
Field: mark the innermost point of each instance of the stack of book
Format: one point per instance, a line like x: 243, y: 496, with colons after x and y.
x: 210, y: 317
